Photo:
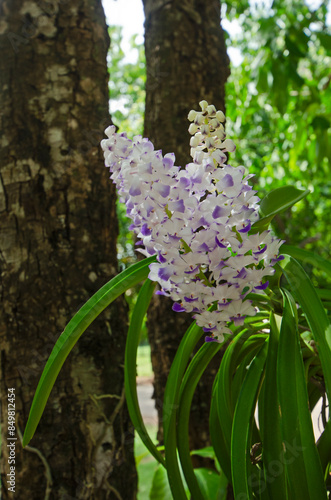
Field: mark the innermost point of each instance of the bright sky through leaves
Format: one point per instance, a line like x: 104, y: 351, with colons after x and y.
x: 132, y: 20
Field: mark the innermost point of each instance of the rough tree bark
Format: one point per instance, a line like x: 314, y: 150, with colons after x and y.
x: 186, y: 62
x: 57, y: 247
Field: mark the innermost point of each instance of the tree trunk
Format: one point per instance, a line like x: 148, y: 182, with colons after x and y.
x: 57, y: 247
x: 186, y: 62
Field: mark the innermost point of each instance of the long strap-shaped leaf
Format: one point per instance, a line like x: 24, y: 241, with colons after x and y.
x: 225, y: 404
x: 324, y: 446
x: 217, y: 435
x: 301, y: 459
x: 171, y: 400
x: 72, y: 332
x: 192, y: 376
x: 313, y: 309
x: 241, y: 347
x: 130, y: 364
x: 243, y: 424
x: 270, y: 423
x: 306, y: 256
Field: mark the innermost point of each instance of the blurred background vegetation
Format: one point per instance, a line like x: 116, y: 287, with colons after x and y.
x: 279, y: 110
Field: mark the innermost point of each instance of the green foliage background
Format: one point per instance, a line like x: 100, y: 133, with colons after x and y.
x: 277, y: 106
x: 279, y: 112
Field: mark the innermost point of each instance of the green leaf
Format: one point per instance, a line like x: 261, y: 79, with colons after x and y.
x: 223, y: 402
x: 271, y: 422
x: 171, y: 401
x: 130, y: 365
x: 243, y: 476
x: 160, y: 489
x: 275, y: 202
x: 281, y: 199
x: 244, y: 359
x: 250, y: 347
x: 324, y: 446
x: 307, y: 257
x: 227, y: 385
x: 314, y: 311
x: 192, y: 376
x: 207, y: 452
x: 300, y: 457
x: 72, y: 332
x: 217, y: 436
x: 209, y: 483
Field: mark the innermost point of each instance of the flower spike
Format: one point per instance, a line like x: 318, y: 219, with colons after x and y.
x: 196, y: 220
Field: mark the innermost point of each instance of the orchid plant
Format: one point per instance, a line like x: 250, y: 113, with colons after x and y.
x: 206, y: 238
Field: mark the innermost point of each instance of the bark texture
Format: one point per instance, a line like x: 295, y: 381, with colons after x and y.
x: 57, y: 247
x: 186, y: 62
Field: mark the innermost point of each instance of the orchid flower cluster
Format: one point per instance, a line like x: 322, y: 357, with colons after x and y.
x: 197, y: 222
